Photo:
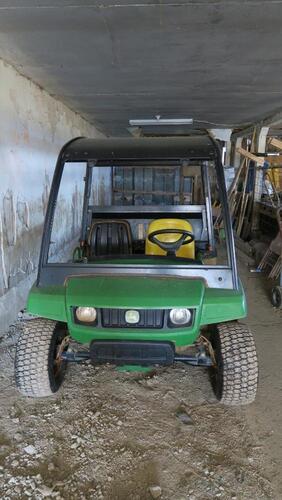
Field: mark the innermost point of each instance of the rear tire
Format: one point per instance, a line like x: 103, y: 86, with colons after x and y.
x: 235, y: 376
x: 39, y: 372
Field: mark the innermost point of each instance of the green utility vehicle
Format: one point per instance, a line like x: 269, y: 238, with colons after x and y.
x: 131, y: 269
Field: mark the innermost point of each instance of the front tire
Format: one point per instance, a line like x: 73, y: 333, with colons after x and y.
x: 39, y: 371
x: 235, y: 374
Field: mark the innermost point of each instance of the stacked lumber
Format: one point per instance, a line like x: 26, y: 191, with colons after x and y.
x: 241, y: 193
x: 240, y: 196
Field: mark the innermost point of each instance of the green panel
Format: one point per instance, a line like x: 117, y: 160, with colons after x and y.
x: 134, y: 292
x: 48, y: 302
x: 221, y: 305
x: 179, y: 336
x: 211, y: 305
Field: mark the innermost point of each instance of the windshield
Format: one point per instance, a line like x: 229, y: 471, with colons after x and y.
x: 109, y: 214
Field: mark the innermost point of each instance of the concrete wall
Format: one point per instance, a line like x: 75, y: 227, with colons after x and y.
x: 33, y: 128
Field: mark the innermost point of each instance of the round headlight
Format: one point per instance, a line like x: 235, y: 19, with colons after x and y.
x: 180, y: 316
x: 86, y: 314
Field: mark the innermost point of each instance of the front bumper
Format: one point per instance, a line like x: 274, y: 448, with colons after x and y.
x: 124, y: 353
x: 211, y: 305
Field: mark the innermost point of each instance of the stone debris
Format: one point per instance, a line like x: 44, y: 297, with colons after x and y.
x: 155, y: 491
x: 184, y: 417
x: 30, y: 450
x: 45, y: 491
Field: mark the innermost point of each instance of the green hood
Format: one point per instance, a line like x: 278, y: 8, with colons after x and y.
x: 134, y: 292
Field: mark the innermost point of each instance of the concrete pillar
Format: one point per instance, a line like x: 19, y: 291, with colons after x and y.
x: 223, y: 134
x: 236, y: 157
x: 228, y: 153
x: 260, y: 141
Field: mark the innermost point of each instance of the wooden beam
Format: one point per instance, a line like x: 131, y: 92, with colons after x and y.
x: 267, y: 121
x: 258, y: 159
x: 276, y: 143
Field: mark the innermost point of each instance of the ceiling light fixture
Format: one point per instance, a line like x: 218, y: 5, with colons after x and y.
x: 160, y: 121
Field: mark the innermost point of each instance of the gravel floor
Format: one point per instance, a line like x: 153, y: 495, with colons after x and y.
x: 113, y: 435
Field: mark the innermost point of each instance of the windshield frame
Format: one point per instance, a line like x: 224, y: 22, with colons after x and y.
x: 214, y: 276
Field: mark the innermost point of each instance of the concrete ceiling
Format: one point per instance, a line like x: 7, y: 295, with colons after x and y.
x: 215, y: 61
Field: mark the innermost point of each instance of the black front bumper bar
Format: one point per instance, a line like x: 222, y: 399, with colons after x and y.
x: 145, y: 353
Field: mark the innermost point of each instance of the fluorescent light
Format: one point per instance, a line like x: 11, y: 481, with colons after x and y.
x: 160, y: 121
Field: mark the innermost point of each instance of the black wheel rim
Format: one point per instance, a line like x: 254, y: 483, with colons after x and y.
x: 56, y: 365
x: 216, y: 371
x: 59, y: 364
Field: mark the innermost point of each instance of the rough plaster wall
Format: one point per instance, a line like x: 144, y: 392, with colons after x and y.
x: 33, y: 128
x: 102, y: 186
x: 64, y: 237
x: 69, y: 210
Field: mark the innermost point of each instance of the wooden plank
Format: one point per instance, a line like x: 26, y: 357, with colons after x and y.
x: 258, y: 159
x: 276, y: 143
x: 242, y: 213
x: 236, y: 178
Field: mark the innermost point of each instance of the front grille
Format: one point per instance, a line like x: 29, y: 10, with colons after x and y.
x: 149, y: 318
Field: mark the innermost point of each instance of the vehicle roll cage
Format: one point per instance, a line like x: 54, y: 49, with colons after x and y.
x: 137, y: 152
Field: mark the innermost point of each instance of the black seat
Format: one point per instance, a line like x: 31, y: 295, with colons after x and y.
x: 110, y: 237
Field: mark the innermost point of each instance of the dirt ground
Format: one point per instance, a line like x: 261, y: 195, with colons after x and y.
x: 116, y: 436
